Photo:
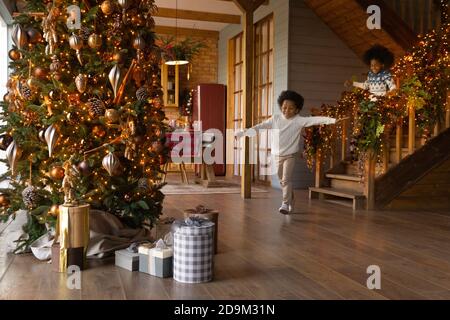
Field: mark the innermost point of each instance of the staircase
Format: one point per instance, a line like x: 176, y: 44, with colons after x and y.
x: 412, y: 170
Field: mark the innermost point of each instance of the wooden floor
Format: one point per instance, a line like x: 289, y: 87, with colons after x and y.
x: 321, y: 251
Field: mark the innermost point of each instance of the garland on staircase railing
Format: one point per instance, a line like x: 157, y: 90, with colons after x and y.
x: 424, y: 74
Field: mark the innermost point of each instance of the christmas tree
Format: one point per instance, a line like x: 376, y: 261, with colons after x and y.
x: 84, y: 90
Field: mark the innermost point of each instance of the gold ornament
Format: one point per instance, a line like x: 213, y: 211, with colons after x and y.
x: 4, y: 201
x: 76, y: 43
x: 13, y: 154
x: 57, y: 173
x: 81, y: 82
x: 118, y: 57
x: 138, y: 20
x: 56, y: 65
x: 51, y: 137
x: 40, y: 73
x: 32, y: 83
x: 107, y: 7
x: 114, y: 79
x: 14, y: 54
x: 111, y: 163
x: 19, y: 36
x: 112, y: 116
x: 54, y: 94
x: 84, y: 168
x: 54, y: 210
x: 95, y: 41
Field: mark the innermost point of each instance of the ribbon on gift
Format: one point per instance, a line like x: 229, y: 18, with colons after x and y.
x: 200, y: 209
x: 193, y: 226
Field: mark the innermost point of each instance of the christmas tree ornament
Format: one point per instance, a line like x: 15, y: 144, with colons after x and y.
x: 34, y: 36
x: 41, y: 135
x: 112, y: 116
x: 51, y: 136
x: 142, y: 94
x: 81, y: 82
x: 25, y: 92
x: 84, y: 168
x: 125, y: 4
x: 96, y: 107
x: 5, y: 141
x: 7, y: 98
x: 54, y: 94
x: 95, y: 41
x: 139, y: 43
x: 57, y: 173
x: 111, y: 163
x: 118, y: 57
x: 73, y: 118
x: 4, y: 200
x: 84, y: 33
x: 144, y: 184
x: 98, y: 131
x: 19, y: 37
x: 76, y: 43
x: 32, y: 83
x: 114, y: 79
x: 40, y: 73
x: 30, y: 196
x: 14, y: 54
x: 107, y: 7
x: 56, y: 65
x: 138, y: 20
x: 54, y: 210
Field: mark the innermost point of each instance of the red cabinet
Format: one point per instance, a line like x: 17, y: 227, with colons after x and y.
x: 210, y: 108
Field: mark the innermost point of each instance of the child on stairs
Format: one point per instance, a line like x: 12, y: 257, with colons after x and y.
x: 379, y: 80
x: 286, y: 139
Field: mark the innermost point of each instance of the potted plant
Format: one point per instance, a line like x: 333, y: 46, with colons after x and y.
x: 184, y: 50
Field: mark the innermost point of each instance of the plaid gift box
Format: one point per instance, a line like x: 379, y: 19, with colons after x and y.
x: 193, y: 250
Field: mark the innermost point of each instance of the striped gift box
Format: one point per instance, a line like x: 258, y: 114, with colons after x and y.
x: 193, y: 248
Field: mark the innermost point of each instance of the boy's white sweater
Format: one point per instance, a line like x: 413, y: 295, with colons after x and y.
x: 286, y: 133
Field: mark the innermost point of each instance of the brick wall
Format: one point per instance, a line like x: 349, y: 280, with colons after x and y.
x: 203, y: 67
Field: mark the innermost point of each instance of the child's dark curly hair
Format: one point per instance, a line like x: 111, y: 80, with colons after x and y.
x: 293, y: 96
x: 381, y: 54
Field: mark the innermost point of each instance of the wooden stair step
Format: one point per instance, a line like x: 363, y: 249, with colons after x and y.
x: 347, y: 177
x: 358, y: 198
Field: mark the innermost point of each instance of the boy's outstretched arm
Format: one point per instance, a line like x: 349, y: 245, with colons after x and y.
x: 315, y: 121
x: 263, y: 125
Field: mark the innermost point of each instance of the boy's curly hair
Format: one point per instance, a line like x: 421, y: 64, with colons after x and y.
x: 293, y: 96
x: 380, y: 53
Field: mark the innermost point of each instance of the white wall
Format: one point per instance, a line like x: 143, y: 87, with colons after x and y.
x: 4, y: 48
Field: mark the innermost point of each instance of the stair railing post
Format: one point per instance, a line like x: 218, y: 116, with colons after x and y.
x: 318, y: 169
x: 344, y: 140
x: 411, y: 128
x: 398, y: 140
x: 369, y: 179
x: 447, y: 111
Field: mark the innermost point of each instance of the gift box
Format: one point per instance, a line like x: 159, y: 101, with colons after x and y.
x: 74, y: 257
x: 127, y: 259
x: 204, y: 213
x: 143, y: 251
x: 193, y: 250
x: 162, y: 227
x: 160, y: 262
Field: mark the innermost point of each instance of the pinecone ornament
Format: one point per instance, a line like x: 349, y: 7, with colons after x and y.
x: 142, y: 94
x: 96, y: 107
x: 26, y: 92
x: 30, y: 196
x: 84, y: 33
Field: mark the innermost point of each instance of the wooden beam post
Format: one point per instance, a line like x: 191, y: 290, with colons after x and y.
x: 411, y: 128
x: 369, y: 180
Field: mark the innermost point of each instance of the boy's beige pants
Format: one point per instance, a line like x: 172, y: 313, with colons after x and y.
x: 285, y: 170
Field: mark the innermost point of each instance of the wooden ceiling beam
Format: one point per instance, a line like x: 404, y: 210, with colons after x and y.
x: 198, y: 15
x: 249, y: 5
x: 186, y: 32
